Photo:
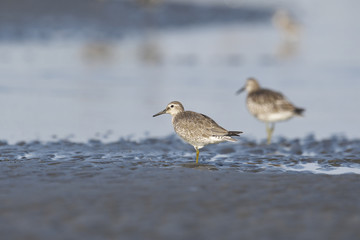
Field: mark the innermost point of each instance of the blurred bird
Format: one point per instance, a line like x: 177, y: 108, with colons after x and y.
x: 268, y: 106
x: 289, y: 27
x: 195, y: 128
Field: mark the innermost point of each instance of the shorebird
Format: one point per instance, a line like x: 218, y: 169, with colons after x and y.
x: 287, y: 25
x: 195, y: 128
x: 268, y: 106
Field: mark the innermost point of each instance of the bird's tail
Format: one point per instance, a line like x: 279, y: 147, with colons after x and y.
x: 233, y: 133
x: 299, y: 111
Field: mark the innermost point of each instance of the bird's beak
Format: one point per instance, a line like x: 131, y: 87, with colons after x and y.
x: 159, y: 113
x: 240, y: 90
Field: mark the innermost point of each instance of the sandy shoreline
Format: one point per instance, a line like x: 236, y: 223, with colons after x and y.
x: 180, y: 203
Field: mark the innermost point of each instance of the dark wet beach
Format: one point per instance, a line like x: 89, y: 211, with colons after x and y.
x: 151, y: 189
x: 179, y: 203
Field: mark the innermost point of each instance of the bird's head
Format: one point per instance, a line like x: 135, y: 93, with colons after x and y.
x: 172, y: 108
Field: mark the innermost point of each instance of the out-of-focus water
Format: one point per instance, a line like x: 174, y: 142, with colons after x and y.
x: 80, y: 81
x: 106, y: 85
x: 149, y: 189
x: 127, y: 188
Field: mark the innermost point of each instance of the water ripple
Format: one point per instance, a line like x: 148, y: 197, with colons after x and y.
x: 63, y: 159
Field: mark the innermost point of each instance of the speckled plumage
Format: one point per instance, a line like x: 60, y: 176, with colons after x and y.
x: 195, y: 128
x: 270, y: 106
x: 198, y: 129
x: 267, y: 105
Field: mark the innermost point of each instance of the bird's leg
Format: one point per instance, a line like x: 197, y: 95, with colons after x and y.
x: 269, y: 131
x: 197, y: 155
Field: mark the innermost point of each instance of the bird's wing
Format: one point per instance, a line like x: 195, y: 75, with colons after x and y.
x: 213, y: 127
x: 200, y: 123
x: 272, y: 100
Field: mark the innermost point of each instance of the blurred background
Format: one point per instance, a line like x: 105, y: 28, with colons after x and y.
x: 99, y: 69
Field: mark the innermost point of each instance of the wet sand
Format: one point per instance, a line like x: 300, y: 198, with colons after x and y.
x: 129, y: 202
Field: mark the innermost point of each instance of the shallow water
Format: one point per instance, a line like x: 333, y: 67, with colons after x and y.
x: 65, y: 159
x: 152, y: 189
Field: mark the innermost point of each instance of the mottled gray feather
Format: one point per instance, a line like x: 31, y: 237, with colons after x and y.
x: 270, y: 101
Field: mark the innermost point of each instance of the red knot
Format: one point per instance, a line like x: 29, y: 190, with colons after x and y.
x: 195, y: 128
x: 268, y: 106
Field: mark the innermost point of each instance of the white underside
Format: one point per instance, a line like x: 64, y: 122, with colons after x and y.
x: 275, y: 117
x: 211, y: 140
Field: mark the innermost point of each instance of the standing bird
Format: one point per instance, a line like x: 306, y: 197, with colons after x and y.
x: 195, y: 128
x: 287, y: 24
x: 268, y: 106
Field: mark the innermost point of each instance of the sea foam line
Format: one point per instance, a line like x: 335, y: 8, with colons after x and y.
x: 316, y: 168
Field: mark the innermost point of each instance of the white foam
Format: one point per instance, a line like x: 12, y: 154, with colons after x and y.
x: 224, y: 157
x: 58, y: 156
x: 26, y: 155
x: 316, y: 168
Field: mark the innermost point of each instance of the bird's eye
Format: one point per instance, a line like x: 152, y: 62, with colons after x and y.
x: 172, y: 106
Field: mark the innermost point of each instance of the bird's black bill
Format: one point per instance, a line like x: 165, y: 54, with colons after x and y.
x: 159, y: 113
x: 240, y: 90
